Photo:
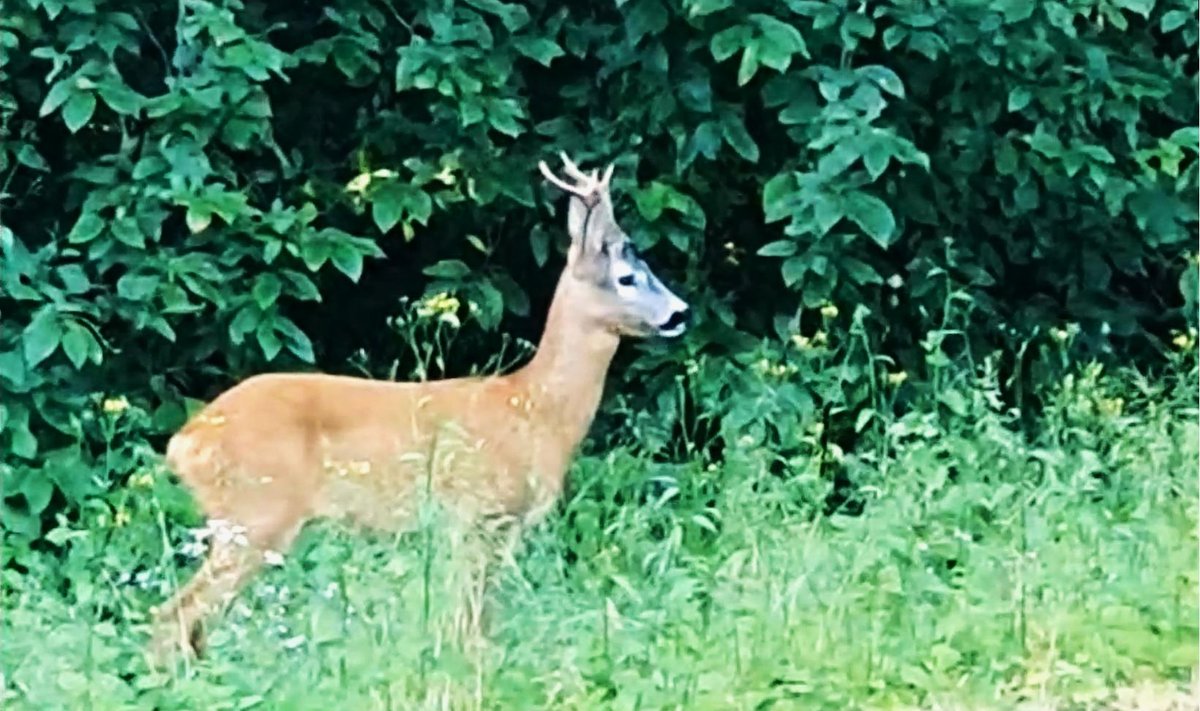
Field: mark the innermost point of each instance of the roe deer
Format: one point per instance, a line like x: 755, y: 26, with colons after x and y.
x: 278, y: 450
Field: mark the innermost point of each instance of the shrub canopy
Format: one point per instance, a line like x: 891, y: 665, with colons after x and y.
x: 196, y: 191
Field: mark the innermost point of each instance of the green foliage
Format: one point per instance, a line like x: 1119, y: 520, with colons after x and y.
x: 912, y: 231
x: 188, y: 189
x: 1059, y: 570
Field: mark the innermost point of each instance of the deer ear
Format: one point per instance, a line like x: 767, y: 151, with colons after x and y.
x: 591, y: 228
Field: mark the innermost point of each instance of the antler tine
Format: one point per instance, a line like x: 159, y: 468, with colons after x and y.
x: 572, y: 169
x: 583, y: 191
x: 608, y: 173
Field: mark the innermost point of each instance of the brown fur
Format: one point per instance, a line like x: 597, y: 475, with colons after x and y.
x: 278, y: 450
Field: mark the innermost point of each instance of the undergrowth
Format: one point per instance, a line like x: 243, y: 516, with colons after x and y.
x: 987, y: 569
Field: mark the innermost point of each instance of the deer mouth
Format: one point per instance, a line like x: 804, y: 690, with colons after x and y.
x: 676, y: 324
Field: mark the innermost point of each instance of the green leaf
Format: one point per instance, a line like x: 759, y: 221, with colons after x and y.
x: 778, y: 248
x: 42, y: 336
x: 706, y: 141
x: 387, y: 206
x: 778, y: 41
x: 515, y: 298
x: 696, y: 93
x: 700, y: 8
x: 1018, y: 98
x: 86, y: 228
x: 827, y: 212
x: 1187, y: 137
x: 301, y: 286
x: 348, y: 261
x: 448, y: 269
x: 749, y: 65
x: 877, y: 157
x: 77, y: 343
x: 73, y: 278
x: 13, y: 369
x: 78, y: 110
x: 1006, y: 158
x: 887, y: 79
x: 420, y: 206
x: 246, y: 319
x: 121, y: 98
x: 836, y: 161
x: 793, y: 269
x: 954, y: 400
x: 268, y: 341
x: 315, y: 253
x: 727, y: 42
x: 779, y: 196
x: 1173, y: 20
x: 127, y: 231
x: 136, y: 287
x: 297, y: 341
x: 37, y: 490
x: 859, y: 272
x: 651, y: 200
x: 645, y: 17
x: 1015, y: 10
x: 738, y: 137
x: 503, y: 114
x: 266, y: 290
x: 539, y: 49
x: 873, y: 216
x: 24, y: 444
x: 198, y: 218
x: 1141, y: 7
x: 28, y: 156
x: 62, y: 90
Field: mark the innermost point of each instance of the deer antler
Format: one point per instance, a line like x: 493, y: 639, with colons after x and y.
x: 587, y: 187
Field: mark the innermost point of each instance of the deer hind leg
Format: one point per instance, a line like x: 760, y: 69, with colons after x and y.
x: 499, y: 543
x: 232, y: 560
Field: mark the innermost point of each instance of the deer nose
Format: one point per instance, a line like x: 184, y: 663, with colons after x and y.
x: 678, y: 320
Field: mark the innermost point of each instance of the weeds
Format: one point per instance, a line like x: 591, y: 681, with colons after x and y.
x: 986, y: 571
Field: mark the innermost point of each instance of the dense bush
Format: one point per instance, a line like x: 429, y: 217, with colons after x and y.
x: 196, y: 191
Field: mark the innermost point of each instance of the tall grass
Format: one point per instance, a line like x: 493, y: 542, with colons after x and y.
x: 986, y: 570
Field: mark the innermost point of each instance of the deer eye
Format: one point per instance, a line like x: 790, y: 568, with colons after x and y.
x: 626, y: 280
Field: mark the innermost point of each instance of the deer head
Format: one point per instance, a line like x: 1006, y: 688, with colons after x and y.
x: 616, y: 287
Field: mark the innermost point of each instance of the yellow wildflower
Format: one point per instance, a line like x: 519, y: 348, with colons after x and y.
x: 442, y: 305
x: 829, y: 311
x: 121, y: 519
x: 801, y: 342
x: 1110, y: 406
x: 359, y: 183
x: 115, y: 405
x: 1185, y: 341
x: 897, y: 378
x: 143, y: 480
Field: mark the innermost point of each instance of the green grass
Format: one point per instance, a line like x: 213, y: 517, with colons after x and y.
x: 986, y: 571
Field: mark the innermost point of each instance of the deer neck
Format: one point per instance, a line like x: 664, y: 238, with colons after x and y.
x: 565, y: 379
